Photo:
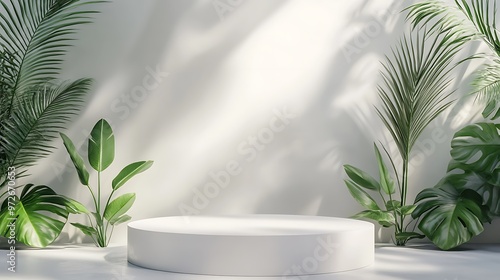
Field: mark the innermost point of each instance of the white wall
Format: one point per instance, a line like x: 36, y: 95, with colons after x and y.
x: 228, y: 72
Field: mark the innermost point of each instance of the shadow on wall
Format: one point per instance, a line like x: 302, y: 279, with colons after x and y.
x: 302, y: 165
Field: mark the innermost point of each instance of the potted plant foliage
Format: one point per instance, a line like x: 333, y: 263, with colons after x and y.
x: 101, y: 153
x: 34, y: 107
x: 414, y: 91
x: 454, y: 211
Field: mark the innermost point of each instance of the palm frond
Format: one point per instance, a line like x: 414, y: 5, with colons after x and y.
x: 415, y: 87
x: 26, y: 136
x: 486, y: 83
x: 439, y: 16
x: 475, y: 19
x: 482, y: 14
x: 36, y: 33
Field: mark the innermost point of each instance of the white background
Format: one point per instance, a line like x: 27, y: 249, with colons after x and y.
x: 229, y: 70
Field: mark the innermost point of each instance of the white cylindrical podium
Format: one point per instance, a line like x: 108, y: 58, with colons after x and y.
x: 251, y: 245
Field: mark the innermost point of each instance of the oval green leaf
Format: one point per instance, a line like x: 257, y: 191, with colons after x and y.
x: 77, y: 160
x: 386, y: 182
x: 101, y: 151
x: 130, y: 171
x: 361, y: 178
x: 120, y: 220
x: 361, y: 196
x: 119, y: 206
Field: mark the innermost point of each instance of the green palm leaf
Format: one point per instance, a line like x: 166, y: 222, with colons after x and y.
x: 27, y: 136
x: 415, y: 85
x: 472, y: 20
x: 37, y: 34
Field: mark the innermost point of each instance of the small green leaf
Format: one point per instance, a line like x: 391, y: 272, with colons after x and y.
x: 101, y: 150
x: 361, y: 178
x: 392, y: 205
x: 119, y: 206
x: 130, y: 171
x: 490, y: 108
x: 361, y: 196
x: 383, y: 217
x: 407, y: 209
x: 77, y: 160
x: 406, y: 236
x: 75, y: 207
x: 89, y: 231
x: 385, y: 224
x: 120, y: 220
x: 386, y: 182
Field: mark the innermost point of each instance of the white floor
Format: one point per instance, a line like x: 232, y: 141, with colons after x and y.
x: 416, y: 262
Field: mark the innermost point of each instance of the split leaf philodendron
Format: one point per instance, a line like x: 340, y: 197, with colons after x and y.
x: 101, y: 153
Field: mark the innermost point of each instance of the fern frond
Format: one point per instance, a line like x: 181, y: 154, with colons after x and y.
x: 27, y: 135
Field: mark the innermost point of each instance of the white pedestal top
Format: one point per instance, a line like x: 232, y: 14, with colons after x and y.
x: 249, y: 225
x: 251, y: 245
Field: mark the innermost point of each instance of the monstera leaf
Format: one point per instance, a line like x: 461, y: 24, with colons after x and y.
x: 39, y: 215
x: 450, y: 217
x: 485, y: 184
x: 477, y: 147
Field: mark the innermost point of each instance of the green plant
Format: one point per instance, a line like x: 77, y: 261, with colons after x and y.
x: 101, y: 153
x: 455, y: 210
x: 34, y: 106
x: 414, y: 92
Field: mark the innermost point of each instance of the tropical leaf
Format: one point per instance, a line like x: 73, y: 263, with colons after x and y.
x: 407, y: 209
x: 449, y: 217
x: 101, y: 149
x: 77, y: 160
x: 27, y: 135
x: 120, y: 220
x: 407, y: 236
x: 119, y: 206
x: 130, y: 171
x: 393, y: 205
x: 37, y: 34
x: 485, y: 184
x: 89, y: 231
x: 361, y: 196
x: 415, y: 85
x: 384, y: 218
x: 471, y: 20
x: 486, y: 85
x: 477, y: 147
x: 386, y: 182
x: 40, y: 216
x: 361, y: 178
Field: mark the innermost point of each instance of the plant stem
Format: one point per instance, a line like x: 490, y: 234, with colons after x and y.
x: 98, y: 208
x: 106, y: 207
x: 404, y: 190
